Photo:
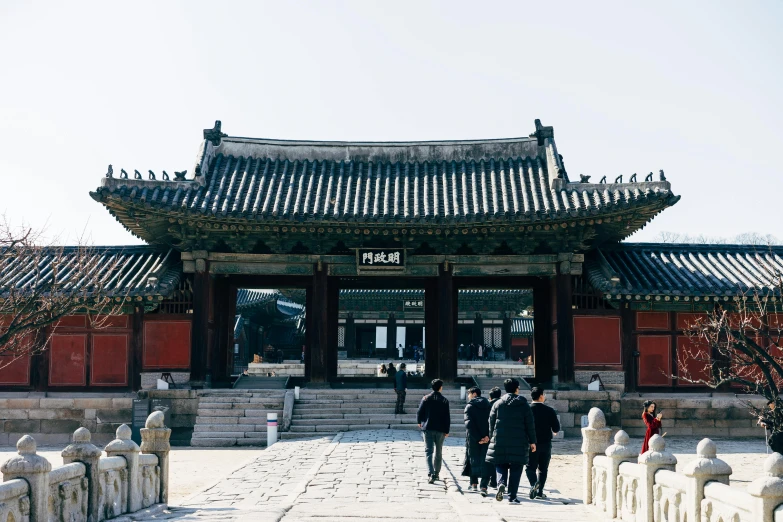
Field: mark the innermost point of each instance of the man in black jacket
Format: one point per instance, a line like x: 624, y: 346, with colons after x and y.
x: 513, y: 432
x: 477, y: 439
x: 434, y: 419
x: 546, y: 424
x: 494, y: 396
x: 400, y: 386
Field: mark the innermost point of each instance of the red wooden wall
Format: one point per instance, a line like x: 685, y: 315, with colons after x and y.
x: 597, y: 341
x: 166, y: 343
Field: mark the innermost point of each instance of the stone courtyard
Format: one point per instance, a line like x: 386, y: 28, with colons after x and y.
x: 380, y: 475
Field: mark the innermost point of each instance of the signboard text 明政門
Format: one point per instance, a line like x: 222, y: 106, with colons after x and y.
x: 372, y: 258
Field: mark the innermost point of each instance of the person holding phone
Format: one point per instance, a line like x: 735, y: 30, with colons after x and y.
x: 653, y: 422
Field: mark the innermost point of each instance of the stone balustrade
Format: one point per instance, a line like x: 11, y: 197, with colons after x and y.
x: 622, y: 485
x: 88, y: 487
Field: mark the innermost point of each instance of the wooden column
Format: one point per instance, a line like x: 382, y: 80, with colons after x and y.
x: 542, y: 328
x: 199, y: 338
x: 565, y: 329
x: 39, y: 363
x: 630, y: 367
x: 332, y: 319
x: 136, y: 347
x: 478, y: 331
x: 391, y: 337
x: 350, y: 336
x: 447, y: 322
x: 507, y: 334
x: 319, y: 339
x: 431, y: 329
x: 220, y: 374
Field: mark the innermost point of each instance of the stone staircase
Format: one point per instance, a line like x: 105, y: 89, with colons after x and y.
x: 235, y: 417
x: 329, y: 411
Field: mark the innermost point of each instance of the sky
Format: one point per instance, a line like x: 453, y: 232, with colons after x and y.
x: 693, y: 88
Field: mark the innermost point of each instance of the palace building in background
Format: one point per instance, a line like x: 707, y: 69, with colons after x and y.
x: 332, y: 251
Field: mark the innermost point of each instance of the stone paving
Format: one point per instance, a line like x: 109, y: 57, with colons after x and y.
x: 377, y: 475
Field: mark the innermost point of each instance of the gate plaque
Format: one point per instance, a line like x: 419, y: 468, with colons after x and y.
x: 380, y: 259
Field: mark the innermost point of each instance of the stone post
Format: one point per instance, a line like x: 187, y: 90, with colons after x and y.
x: 124, y: 447
x: 706, y: 468
x: 595, y: 440
x: 82, y: 450
x: 155, y: 439
x: 619, y: 452
x: 653, y: 460
x: 767, y: 491
x: 35, y: 470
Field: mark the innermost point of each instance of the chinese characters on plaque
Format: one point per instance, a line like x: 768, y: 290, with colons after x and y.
x: 372, y: 258
x: 413, y: 304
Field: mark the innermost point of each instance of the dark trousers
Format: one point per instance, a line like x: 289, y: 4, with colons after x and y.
x: 486, y: 474
x: 433, y: 441
x: 509, y: 475
x: 400, y: 406
x: 539, y: 460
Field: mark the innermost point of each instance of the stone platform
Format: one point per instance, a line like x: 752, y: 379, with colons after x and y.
x: 370, y: 368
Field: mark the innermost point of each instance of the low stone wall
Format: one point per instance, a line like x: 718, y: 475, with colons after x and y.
x: 89, y: 487
x: 494, y: 369
x: 182, y: 417
x: 280, y: 370
x: 149, y: 380
x: 619, y: 484
x: 611, y: 380
x: 721, y: 415
x: 51, y: 418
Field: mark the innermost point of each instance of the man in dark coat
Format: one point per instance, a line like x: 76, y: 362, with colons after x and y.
x: 434, y: 419
x: 477, y: 439
x: 494, y: 396
x: 513, y: 432
x: 391, y: 371
x: 400, y: 386
x: 547, y: 424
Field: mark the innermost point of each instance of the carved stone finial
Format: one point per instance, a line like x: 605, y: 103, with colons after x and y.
x: 657, y: 443
x: 110, y: 172
x: 583, y: 178
x: 180, y: 176
x: 596, y: 418
x: 152, y: 175
x: 123, y: 174
x: 26, y: 446
x: 165, y: 176
x: 707, y: 449
x: 81, y: 435
x: 123, y: 432
x: 661, y: 176
x: 136, y: 174
x: 618, y: 179
x: 633, y: 178
x: 603, y: 180
x: 155, y: 420
x: 214, y: 135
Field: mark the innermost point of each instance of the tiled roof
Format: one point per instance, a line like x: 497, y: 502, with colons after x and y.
x: 130, y: 272
x: 522, y: 326
x: 634, y: 270
x: 247, y: 298
x: 517, y: 180
x: 419, y: 293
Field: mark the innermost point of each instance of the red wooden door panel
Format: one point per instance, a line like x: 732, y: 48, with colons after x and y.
x: 693, y: 361
x: 67, y: 360
x: 655, y: 360
x: 652, y: 320
x: 14, y: 372
x: 109, y: 361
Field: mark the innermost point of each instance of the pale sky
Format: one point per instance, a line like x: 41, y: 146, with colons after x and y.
x: 693, y: 88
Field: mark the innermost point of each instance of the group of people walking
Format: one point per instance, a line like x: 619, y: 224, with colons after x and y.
x: 475, y: 352
x: 503, y: 435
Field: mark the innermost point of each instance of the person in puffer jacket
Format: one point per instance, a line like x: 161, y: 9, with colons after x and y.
x: 477, y: 440
x: 513, y: 433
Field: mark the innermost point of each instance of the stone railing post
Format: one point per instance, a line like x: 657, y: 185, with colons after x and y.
x: 621, y: 451
x: 653, y: 460
x: 767, y: 491
x: 155, y: 439
x: 35, y: 470
x: 124, y: 447
x: 82, y: 450
x: 595, y: 440
x: 706, y: 468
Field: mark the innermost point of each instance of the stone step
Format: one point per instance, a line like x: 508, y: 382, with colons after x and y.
x: 331, y: 428
x: 230, y: 412
x: 211, y: 428
x: 262, y: 404
x: 227, y: 442
x: 299, y: 435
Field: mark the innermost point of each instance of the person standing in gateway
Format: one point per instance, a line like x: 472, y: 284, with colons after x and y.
x: 400, y: 386
x: 546, y: 425
x: 434, y: 419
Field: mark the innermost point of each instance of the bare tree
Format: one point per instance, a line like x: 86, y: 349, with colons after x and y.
x: 42, y: 283
x: 746, y: 238
x: 740, y: 346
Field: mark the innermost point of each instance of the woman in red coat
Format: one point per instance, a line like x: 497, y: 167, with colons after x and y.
x: 653, y: 423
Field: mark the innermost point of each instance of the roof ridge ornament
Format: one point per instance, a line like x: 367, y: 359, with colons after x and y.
x: 542, y: 132
x: 214, y: 135
x: 180, y: 176
x: 649, y: 177
x: 110, y: 172
x: 660, y: 173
